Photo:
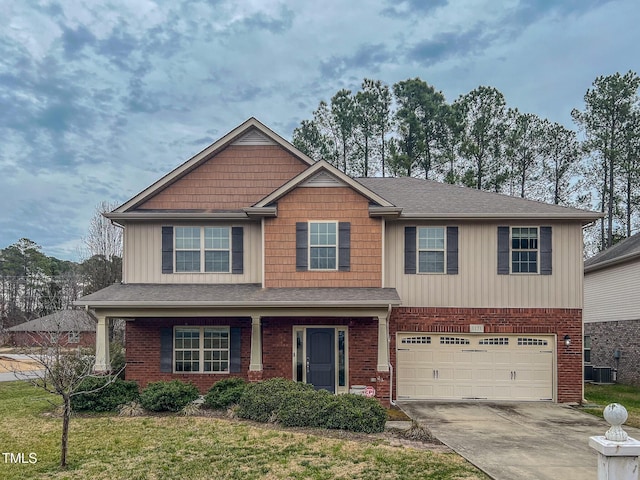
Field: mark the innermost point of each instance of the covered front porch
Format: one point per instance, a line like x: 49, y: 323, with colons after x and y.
x: 329, y: 337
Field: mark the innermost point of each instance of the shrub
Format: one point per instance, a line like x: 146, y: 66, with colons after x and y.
x: 106, y: 399
x: 356, y: 414
x: 168, y: 396
x: 116, y: 352
x: 261, y: 401
x: 308, y: 408
x: 225, y: 393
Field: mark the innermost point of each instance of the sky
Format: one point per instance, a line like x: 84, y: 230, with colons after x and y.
x: 99, y: 99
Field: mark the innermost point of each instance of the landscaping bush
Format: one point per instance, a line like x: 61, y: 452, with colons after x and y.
x: 225, y: 393
x: 168, y: 396
x: 116, y: 352
x: 108, y: 398
x: 296, y: 404
x: 261, y: 400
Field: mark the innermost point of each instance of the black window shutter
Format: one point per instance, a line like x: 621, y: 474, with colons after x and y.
x: 545, y: 251
x: 344, y: 246
x: 503, y: 250
x: 234, y: 349
x: 301, y: 246
x: 167, y: 249
x: 410, y: 250
x: 452, y: 250
x: 166, y: 350
x: 237, y: 250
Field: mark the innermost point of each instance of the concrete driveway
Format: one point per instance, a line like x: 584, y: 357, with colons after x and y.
x: 516, y: 441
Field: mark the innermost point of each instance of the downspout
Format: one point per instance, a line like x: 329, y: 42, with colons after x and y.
x: 391, y: 402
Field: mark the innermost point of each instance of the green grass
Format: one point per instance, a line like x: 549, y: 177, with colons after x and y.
x: 169, y: 447
x: 626, y: 395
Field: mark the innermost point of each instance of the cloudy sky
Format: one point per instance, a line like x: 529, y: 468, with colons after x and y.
x: 99, y: 99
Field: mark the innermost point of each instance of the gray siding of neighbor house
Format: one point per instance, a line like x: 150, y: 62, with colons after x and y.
x: 606, y: 337
x: 611, y: 294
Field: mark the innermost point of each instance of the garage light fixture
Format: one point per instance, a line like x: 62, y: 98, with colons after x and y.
x: 567, y: 341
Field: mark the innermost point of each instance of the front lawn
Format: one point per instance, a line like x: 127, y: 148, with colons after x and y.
x: 625, y: 395
x: 174, y: 446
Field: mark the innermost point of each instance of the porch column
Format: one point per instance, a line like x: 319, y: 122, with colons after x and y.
x: 103, y: 362
x: 383, y: 344
x: 255, y: 364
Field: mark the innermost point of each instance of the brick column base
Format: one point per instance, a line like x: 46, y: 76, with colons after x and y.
x: 383, y: 388
x: 254, y: 376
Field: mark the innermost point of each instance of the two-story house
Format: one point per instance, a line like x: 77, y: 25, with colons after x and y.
x: 252, y: 259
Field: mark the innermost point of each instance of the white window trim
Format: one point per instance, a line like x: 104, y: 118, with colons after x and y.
x: 203, y: 248
x: 537, y: 272
x: 201, y: 348
x: 337, y: 224
x: 443, y: 249
x: 337, y: 328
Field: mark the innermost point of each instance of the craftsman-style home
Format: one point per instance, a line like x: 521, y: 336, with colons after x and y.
x: 252, y: 259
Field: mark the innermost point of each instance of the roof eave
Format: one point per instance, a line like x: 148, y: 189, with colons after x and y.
x: 582, y: 217
x: 239, y: 305
x: 261, y: 212
x: 127, y: 216
x: 613, y: 262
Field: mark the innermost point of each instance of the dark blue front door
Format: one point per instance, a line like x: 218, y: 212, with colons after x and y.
x: 321, y: 358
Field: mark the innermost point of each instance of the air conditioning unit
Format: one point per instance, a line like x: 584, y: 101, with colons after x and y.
x: 588, y: 373
x: 602, y: 375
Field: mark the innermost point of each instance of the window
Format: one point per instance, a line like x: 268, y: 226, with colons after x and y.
x: 73, y: 337
x: 431, y: 248
x: 210, y: 243
x: 323, y: 245
x: 524, y: 250
x: 587, y: 349
x: 201, y: 349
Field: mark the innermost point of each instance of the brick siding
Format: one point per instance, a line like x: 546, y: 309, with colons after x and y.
x: 34, y: 339
x: 606, y: 338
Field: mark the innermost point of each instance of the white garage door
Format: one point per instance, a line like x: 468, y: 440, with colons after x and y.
x: 492, y: 367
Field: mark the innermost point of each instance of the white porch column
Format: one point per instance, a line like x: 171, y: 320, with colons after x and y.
x: 103, y: 362
x: 255, y: 364
x: 383, y: 344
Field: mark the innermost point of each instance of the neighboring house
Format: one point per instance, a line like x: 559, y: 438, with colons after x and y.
x: 253, y: 260
x: 71, y: 328
x: 612, y: 310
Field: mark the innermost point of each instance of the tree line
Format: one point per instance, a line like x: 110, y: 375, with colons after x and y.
x: 478, y: 141
x: 33, y: 285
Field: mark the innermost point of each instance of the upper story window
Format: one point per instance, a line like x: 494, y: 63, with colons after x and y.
x: 193, y: 244
x: 431, y: 249
x: 524, y: 250
x: 323, y: 245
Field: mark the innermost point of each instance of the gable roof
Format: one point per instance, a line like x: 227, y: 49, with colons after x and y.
x: 428, y: 199
x: 317, y: 169
x: 624, y: 251
x: 249, y: 127
x: 61, y: 321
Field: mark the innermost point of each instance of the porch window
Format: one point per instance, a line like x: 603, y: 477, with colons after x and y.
x: 201, y: 349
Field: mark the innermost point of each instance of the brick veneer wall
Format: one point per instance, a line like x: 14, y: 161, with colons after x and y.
x: 340, y: 204
x: 143, y: 351
x: 34, y: 339
x: 606, y: 337
x: 560, y: 322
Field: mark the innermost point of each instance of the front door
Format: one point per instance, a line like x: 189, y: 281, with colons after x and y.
x: 321, y: 358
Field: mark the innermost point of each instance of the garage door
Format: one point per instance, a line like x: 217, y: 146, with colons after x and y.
x: 450, y: 366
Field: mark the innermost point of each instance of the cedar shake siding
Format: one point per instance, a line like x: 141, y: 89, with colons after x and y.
x: 340, y: 204
x: 237, y: 177
x: 551, y: 321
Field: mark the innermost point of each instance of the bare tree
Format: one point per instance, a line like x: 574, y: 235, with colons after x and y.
x: 103, y: 237
x: 62, y: 371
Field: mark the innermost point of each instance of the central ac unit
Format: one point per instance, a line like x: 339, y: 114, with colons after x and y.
x: 602, y: 375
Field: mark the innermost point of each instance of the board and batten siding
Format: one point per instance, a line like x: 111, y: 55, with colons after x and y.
x: 142, y: 261
x: 611, y: 294
x: 477, y: 284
